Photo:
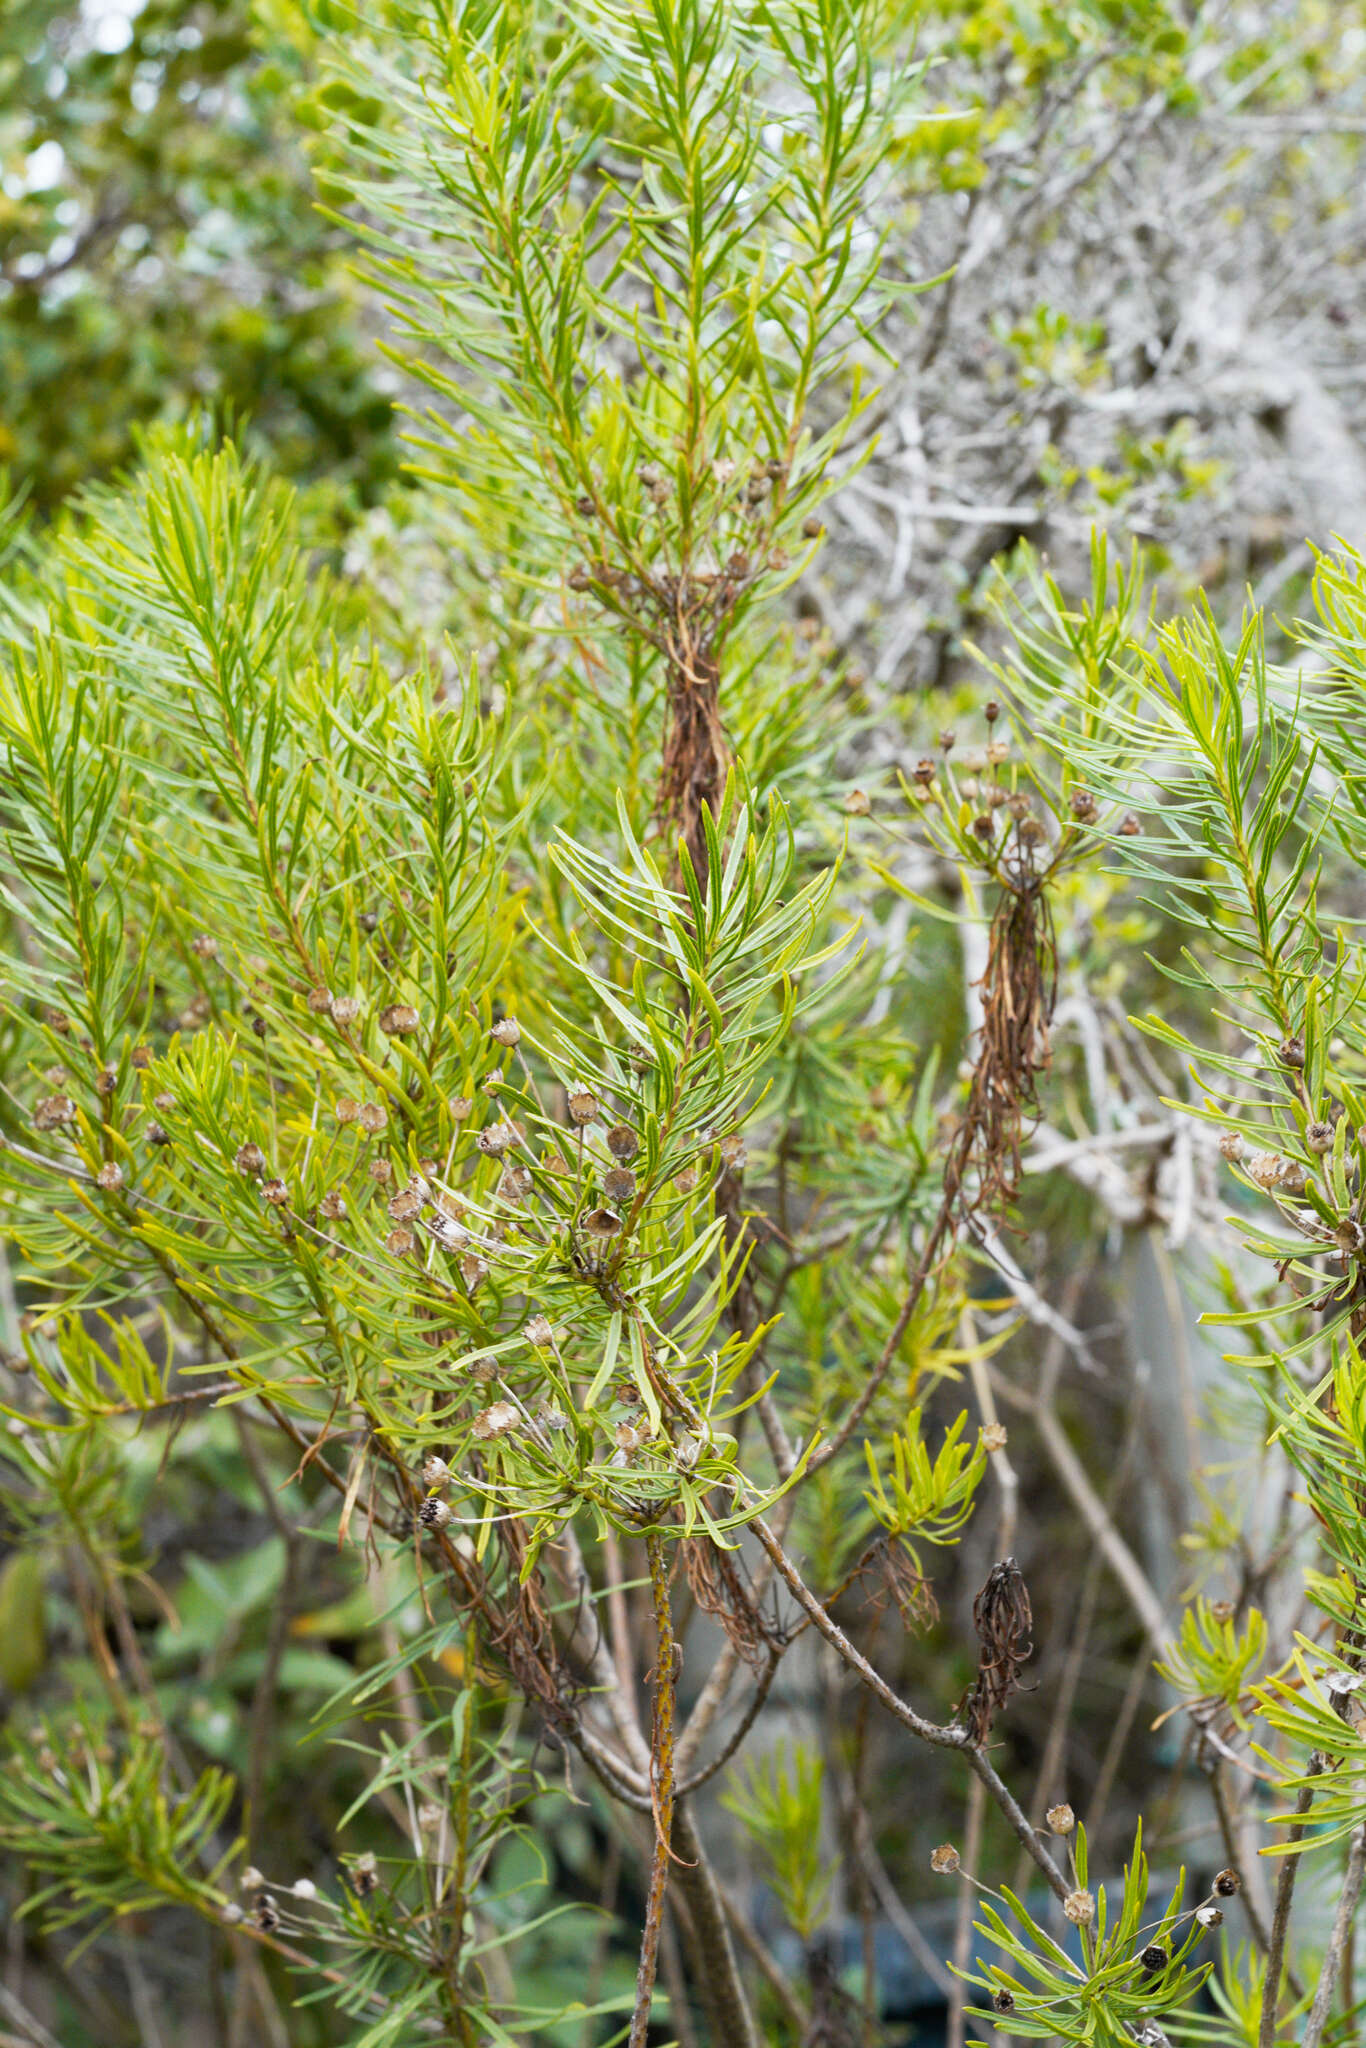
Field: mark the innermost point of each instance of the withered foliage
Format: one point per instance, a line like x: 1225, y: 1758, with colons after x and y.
x: 693, y: 769
x: 1019, y: 990
x: 1004, y: 1621
x: 719, y: 1588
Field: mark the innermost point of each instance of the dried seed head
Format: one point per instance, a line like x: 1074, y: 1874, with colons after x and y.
x: 1227, y: 1884
x: 433, y: 1513
x: 579, y: 578
x: 945, y: 1860
x: 686, y: 1179
x: 265, y: 1915
x: 495, y: 1421
x: 1084, y: 807
x: 398, y: 1020
x: 948, y: 739
x: 857, y: 804
x: 994, y: 1437
x: 249, y: 1158
x: 1209, y: 1916
x: 364, y: 1876
x: 157, y: 1134
x: 618, y: 1185
x: 251, y: 1879
x: 304, y: 1888
x: 203, y: 947
x: 1129, y: 825
x: 430, y: 1816
x: 1061, y: 1819
x: 140, y: 1058
x: 1319, y: 1137
x: 602, y: 1222
x: 1003, y: 2000
x: 403, y: 1206
x: 583, y: 1106
x: 1154, y: 1957
x: 52, y: 1111
x: 497, y: 1139
x: 924, y: 772
x: 1231, y: 1146
x: 319, y: 999
x: 110, y: 1177
x: 275, y: 1192
x: 333, y: 1205
x: 400, y: 1242
x: 106, y: 1081
x: 164, y: 1102
x: 738, y: 565
x: 58, y: 1021
x: 1031, y: 832
x: 461, y: 1105
x: 1290, y: 1051
x: 982, y: 826
x: 484, y: 1370
x: 345, y: 1009
x: 1079, y: 1908
x: 514, y: 1183
x: 539, y: 1332
x: 347, y: 1110
x: 1266, y: 1169
x: 507, y: 1031
x: 380, y: 1170
x: 812, y: 527
x: 435, y: 1471
x: 1349, y: 1238
x: 734, y: 1154
x: 622, y: 1143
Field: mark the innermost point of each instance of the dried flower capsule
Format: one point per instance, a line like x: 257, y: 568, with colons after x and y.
x: 333, y: 1205
x: 435, y: 1470
x: 364, y: 1876
x: 204, y: 947
x: 1129, y: 825
x: 265, y: 1914
x: 982, y: 826
x: 924, y: 772
x: 579, y: 578
x: 165, y: 1102
x: 1083, y: 807
x: 857, y: 804
x: 345, y: 1009
x: 319, y: 999
x: 52, y: 1111
x: 514, y: 1183
x: 403, y: 1206
x: 1154, y: 1957
x: 583, y: 1106
x: 380, y: 1170
x: 618, y: 1185
x: 430, y: 1816
x: 400, y: 1242
x: 274, y: 1191
x: 157, y: 1134
x: 461, y: 1105
x: 251, y: 1879
x: 1319, y: 1137
x: 991, y: 711
x: 1079, y: 1908
x: 433, y: 1513
x: 507, y: 1031
x: 347, y: 1110
x: 1003, y: 2000
x: 812, y: 527
x: 249, y: 1158
x: 734, y: 1154
x: 398, y: 1020
x: 372, y: 1117
x: 1349, y: 1238
x: 1209, y: 1916
x: 1290, y: 1051
x: 304, y: 1888
x: 945, y: 1859
x: 1231, y: 1146
x: 738, y: 565
x: 622, y: 1143
x: 994, y: 1436
x: 109, y: 1177
x: 539, y: 1332
x: 1227, y: 1884
x: 602, y: 1222
x: 497, y: 1139
x: 1061, y: 1819
x: 495, y: 1421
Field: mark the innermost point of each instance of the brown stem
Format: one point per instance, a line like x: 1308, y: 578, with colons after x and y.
x: 662, y: 1775
x: 1337, y: 1940
x: 723, y: 1995
x: 1229, y: 1835
x: 1280, y: 1919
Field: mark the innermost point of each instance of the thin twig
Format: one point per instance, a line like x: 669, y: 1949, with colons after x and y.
x: 1337, y: 1940
x: 1280, y: 1919
x: 662, y: 1774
